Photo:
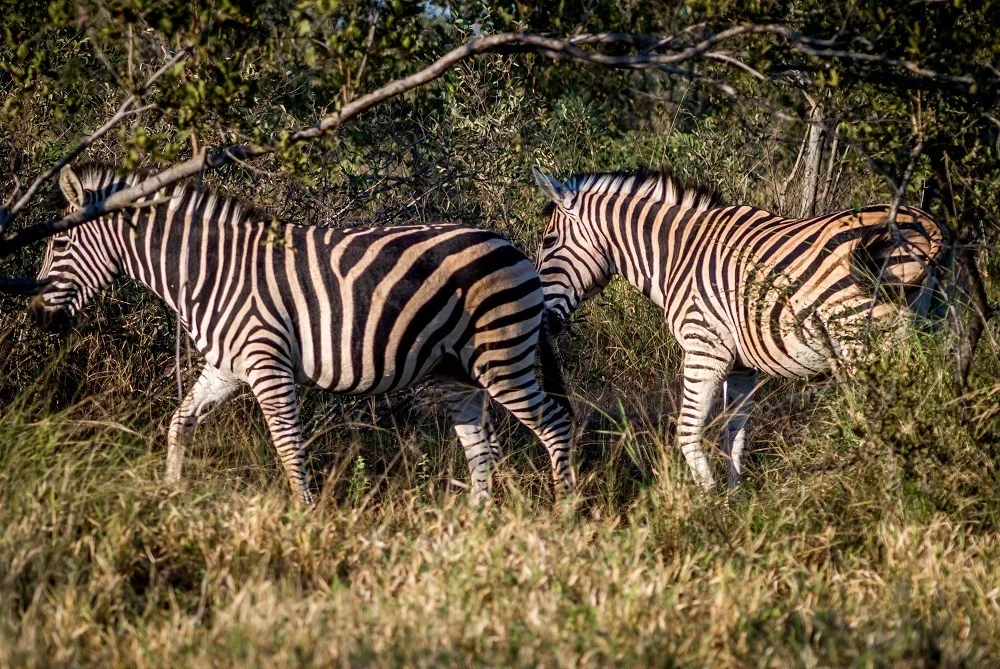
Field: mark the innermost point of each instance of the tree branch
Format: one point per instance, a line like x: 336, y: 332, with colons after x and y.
x: 550, y: 47
x: 124, y: 111
x: 19, y: 286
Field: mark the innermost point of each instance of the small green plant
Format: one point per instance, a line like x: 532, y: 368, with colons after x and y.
x: 358, y: 484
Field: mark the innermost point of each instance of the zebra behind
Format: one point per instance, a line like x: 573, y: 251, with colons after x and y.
x: 355, y: 310
x: 743, y: 290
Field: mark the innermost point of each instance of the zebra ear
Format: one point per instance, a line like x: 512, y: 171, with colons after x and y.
x: 551, y: 187
x: 71, y: 187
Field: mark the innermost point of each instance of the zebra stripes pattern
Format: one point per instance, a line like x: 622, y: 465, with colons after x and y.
x: 743, y: 290
x: 357, y: 310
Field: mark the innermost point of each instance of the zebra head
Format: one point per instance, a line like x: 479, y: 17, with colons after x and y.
x: 79, y: 262
x: 571, y: 260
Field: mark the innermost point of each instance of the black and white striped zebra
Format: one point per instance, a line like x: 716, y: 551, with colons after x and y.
x: 358, y: 311
x: 742, y: 289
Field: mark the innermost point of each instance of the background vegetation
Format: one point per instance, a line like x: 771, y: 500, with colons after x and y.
x: 867, y: 532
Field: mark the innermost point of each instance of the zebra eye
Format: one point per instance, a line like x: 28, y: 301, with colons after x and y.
x: 60, y: 244
x: 549, y: 240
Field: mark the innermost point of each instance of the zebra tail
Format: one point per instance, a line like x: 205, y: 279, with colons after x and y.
x: 552, y: 378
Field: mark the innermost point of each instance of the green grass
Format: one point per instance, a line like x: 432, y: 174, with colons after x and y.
x: 867, y: 535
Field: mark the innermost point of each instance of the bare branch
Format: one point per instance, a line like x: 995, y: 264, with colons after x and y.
x: 13, y: 193
x: 124, y: 111
x: 723, y: 57
x: 795, y: 168
x: 19, y: 286
x: 369, y: 40
x: 101, y: 56
x: 555, y: 48
x: 964, y: 82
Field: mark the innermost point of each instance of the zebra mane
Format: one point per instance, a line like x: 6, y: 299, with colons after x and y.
x: 661, y: 185
x: 107, y: 179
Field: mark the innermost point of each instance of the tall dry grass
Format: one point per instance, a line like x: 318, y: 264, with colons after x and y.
x: 867, y: 534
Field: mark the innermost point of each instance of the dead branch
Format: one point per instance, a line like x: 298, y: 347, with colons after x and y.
x: 816, y: 139
x: 18, y: 286
x: 824, y: 198
x: 124, y: 111
x: 795, y: 168
x: 653, y: 57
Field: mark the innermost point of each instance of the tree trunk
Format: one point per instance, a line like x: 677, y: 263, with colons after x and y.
x: 813, y: 160
x: 969, y: 301
x: 825, y: 199
x: 972, y: 321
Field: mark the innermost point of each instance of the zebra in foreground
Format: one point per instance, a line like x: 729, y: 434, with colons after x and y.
x: 743, y: 290
x: 356, y: 310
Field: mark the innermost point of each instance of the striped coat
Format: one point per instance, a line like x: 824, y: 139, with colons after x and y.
x: 743, y: 290
x: 359, y: 311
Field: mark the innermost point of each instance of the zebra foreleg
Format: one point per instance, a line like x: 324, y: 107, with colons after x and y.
x: 737, y: 390
x: 212, y: 388
x: 274, y: 388
x: 703, y: 376
x: 470, y: 413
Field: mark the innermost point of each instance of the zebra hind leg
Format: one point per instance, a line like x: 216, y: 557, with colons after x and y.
x: 274, y: 387
x: 550, y: 420
x: 470, y: 412
x: 212, y: 388
x: 736, y: 392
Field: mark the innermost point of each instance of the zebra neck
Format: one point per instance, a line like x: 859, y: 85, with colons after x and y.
x: 157, y: 248
x: 635, y: 237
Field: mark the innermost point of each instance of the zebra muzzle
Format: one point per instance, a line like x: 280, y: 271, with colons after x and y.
x: 553, y: 322
x: 56, y: 320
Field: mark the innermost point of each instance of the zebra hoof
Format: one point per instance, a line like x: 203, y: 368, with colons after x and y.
x: 483, y: 505
x: 567, y: 505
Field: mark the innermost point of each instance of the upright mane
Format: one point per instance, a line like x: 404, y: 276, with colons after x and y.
x: 106, y: 178
x: 661, y: 185
x: 109, y: 179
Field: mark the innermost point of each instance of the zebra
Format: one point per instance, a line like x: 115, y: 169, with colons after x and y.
x: 358, y: 311
x: 743, y: 290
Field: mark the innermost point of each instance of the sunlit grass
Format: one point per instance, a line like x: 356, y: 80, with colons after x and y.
x: 866, y: 534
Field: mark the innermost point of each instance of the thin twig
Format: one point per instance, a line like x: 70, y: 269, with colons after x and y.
x: 99, y: 53
x: 376, y: 13
x: 13, y: 193
x: 795, y: 168
x: 724, y: 57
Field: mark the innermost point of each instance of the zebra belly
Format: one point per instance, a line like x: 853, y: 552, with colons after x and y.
x: 800, y: 362
x: 809, y: 342
x: 389, y: 382
x: 391, y: 379
x: 401, y: 362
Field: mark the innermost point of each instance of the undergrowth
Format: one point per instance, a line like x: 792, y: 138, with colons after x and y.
x: 866, y: 534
